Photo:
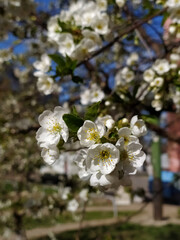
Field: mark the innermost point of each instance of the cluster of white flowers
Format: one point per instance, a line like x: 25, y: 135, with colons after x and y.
x: 5, y: 55
x: 92, y: 95
x: 174, y: 20
x: 155, y: 76
x: 52, y: 129
x: 124, y: 76
x: 104, y: 160
x: 78, y: 199
x: 86, y: 22
x: 45, y: 83
x: 106, y: 164
x: 158, y: 74
x: 175, y: 96
x: 132, y: 59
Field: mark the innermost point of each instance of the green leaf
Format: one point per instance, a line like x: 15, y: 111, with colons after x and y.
x: 71, y: 64
x: 73, y: 122
x: 92, y: 111
x: 77, y: 79
x: 58, y: 59
x: 150, y: 119
x: 74, y: 111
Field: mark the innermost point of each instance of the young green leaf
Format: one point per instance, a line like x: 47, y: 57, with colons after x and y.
x: 92, y: 111
x: 73, y: 122
x: 58, y: 59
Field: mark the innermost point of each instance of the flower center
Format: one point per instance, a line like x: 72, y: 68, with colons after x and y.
x: 104, y: 155
x: 138, y: 124
x: 96, y: 94
x: 93, y: 135
x: 55, y: 128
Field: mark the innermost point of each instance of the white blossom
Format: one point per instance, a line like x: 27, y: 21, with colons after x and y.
x: 83, y: 195
x: 138, y: 126
x: 132, y: 59
x: 92, y: 95
x: 100, y: 24
x: 90, y: 133
x: 126, y: 136
x: 44, y: 64
x: 50, y: 155
x: 52, y: 127
x: 149, y: 75
x: 124, y: 76
x: 131, y: 156
x: 45, y: 84
x: 101, y: 4
x: 93, y: 36
x: 161, y: 66
x: 120, y: 3
x: 127, y: 74
x: 53, y: 29
x: 173, y: 4
x: 83, y: 49
x: 157, y: 82
x: 102, y: 158
x: 66, y: 44
x: 72, y: 205
x: 157, y: 104
x: 107, y: 121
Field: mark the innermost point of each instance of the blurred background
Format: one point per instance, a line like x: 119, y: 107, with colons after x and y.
x: 38, y: 201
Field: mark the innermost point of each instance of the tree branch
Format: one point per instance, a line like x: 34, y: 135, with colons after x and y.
x: 133, y: 26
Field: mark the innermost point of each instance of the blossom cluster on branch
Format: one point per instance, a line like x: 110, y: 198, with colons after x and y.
x: 110, y: 151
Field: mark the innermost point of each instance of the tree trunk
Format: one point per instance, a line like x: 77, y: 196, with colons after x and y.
x: 19, y: 230
x: 157, y: 184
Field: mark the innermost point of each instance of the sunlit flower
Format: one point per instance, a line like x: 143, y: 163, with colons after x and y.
x: 83, y: 195
x: 173, y: 4
x: 92, y: 95
x: 107, y: 121
x: 101, y: 4
x: 161, y: 66
x: 72, y: 205
x: 131, y: 156
x: 50, y: 155
x: 157, y: 82
x: 126, y: 136
x: 66, y: 44
x: 157, y: 104
x: 138, y: 126
x: 132, y: 59
x: 90, y: 133
x: 43, y: 65
x: 120, y: 3
x: 102, y: 158
x: 45, y: 84
x: 148, y: 75
x: 100, y: 24
x: 52, y: 127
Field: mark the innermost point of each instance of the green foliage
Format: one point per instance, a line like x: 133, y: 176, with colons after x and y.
x: 92, y: 111
x: 73, y: 122
x: 74, y: 111
x: 124, y: 231
x: 65, y: 65
x: 150, y: 119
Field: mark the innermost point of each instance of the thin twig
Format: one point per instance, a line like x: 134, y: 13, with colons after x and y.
x: 126, y: 31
